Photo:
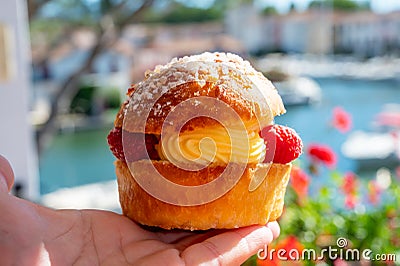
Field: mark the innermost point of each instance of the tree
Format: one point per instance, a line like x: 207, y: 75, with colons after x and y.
x: 292, y: 7
x: 269, y: 10
x: 344, y: 5
x: 107, y: 18
x: 34, y: 6
x: 180, y: 13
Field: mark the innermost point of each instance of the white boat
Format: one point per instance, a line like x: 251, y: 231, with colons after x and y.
x: 373, y: 149
x: 299, y: 91
x: 295, y: 90
x: 388, y: 118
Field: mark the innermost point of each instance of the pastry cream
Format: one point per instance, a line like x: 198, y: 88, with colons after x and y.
x: 206, y: 145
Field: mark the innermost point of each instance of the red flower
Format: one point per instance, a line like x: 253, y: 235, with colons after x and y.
x: 374, y: 192
x: 340, y: 262
x: 349, y: 188
x: 267, y: 262
x: 349, y: 185
x: 341, y: 120
x: 350, y: 201
x: 290, y: 244
x: 322, y: 153
x: 299, y: 181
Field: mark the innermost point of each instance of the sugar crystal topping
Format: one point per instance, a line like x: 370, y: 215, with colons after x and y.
x: 223, y: 69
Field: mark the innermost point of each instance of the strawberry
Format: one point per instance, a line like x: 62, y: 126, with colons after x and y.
x: 288, y: 145
x: 135, y: 150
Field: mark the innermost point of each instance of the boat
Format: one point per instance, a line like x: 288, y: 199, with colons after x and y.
x: 388, y: 118
x: 295, y: 90
x: 372, y: 150
x: 380, y: 147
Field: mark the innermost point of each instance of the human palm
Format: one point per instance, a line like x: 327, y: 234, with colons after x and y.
x: 32, y: 234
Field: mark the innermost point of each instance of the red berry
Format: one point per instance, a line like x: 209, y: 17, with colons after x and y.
x: 288, y: 145
x: 114, y: 139
x: 132, y: 144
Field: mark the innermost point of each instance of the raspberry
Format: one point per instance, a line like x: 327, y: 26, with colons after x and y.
x: 288, y: 145
x: 114, y: 139
x: 135, y: 150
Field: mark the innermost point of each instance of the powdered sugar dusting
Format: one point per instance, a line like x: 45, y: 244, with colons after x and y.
x: 223, y: 69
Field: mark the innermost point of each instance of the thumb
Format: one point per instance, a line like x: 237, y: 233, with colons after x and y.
x: 6, y: 175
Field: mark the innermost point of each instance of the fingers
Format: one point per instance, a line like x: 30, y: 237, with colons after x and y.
x: 187, y: 241
x: 6, y: 175
x: 146, y: 250
x: 275, y: 229
x: 163, y: 257
x: 230, y: 248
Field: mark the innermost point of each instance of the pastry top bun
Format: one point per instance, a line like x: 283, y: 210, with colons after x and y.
x: 222, y: 76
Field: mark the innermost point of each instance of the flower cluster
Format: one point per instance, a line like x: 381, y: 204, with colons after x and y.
x: 323, y: 204
x: 341, y: 120
x: 349, y: 188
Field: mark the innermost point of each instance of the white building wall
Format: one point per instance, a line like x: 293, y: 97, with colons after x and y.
x: 319, y: 38
x: 270, y: 33
x: 363, y: 33
x: 369, y: 34
x: 245, y: 24
x: 16, y: 138
x: 294, y: 36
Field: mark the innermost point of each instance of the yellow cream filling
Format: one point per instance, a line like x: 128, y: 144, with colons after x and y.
x: 213, y: 145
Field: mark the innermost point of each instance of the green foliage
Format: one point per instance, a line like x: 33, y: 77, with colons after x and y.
x: 364, y: 212
x: 152, y: 16
x: 343, y: 5
x: 90, y: 99
x: 363, y: 228
x: 51, y: 29
x: 269, y: 10
x: 292, y: 7
x: 75, y: 13
x: 181, y: 14
x: 65, y: 15
x: 191, y: 15
x: 82, y: 102
x: 112, y: 98
x: 320, y: 219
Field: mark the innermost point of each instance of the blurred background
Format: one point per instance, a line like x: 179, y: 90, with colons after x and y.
x: 65, y: 66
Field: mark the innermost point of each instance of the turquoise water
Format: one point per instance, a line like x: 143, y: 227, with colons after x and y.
x: 363, y: 99
x: 76, y: 159
x: 81, y: 158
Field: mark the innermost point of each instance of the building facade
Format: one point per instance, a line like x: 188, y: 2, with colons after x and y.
x: 363, y: 34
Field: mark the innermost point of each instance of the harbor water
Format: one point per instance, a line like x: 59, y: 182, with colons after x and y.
x: 74, y: 159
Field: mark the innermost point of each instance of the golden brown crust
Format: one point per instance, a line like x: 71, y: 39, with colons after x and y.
x: 225, y: 77
x: 119, y: 119
x: 168, y: 101
x: 238, y: 207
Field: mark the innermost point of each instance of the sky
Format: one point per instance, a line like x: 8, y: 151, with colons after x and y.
x: 379, y: 6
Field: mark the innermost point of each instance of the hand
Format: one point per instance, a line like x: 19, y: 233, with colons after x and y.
x: 31, y: 234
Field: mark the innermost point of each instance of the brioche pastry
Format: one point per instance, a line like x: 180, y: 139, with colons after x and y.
x: 192, y: 121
